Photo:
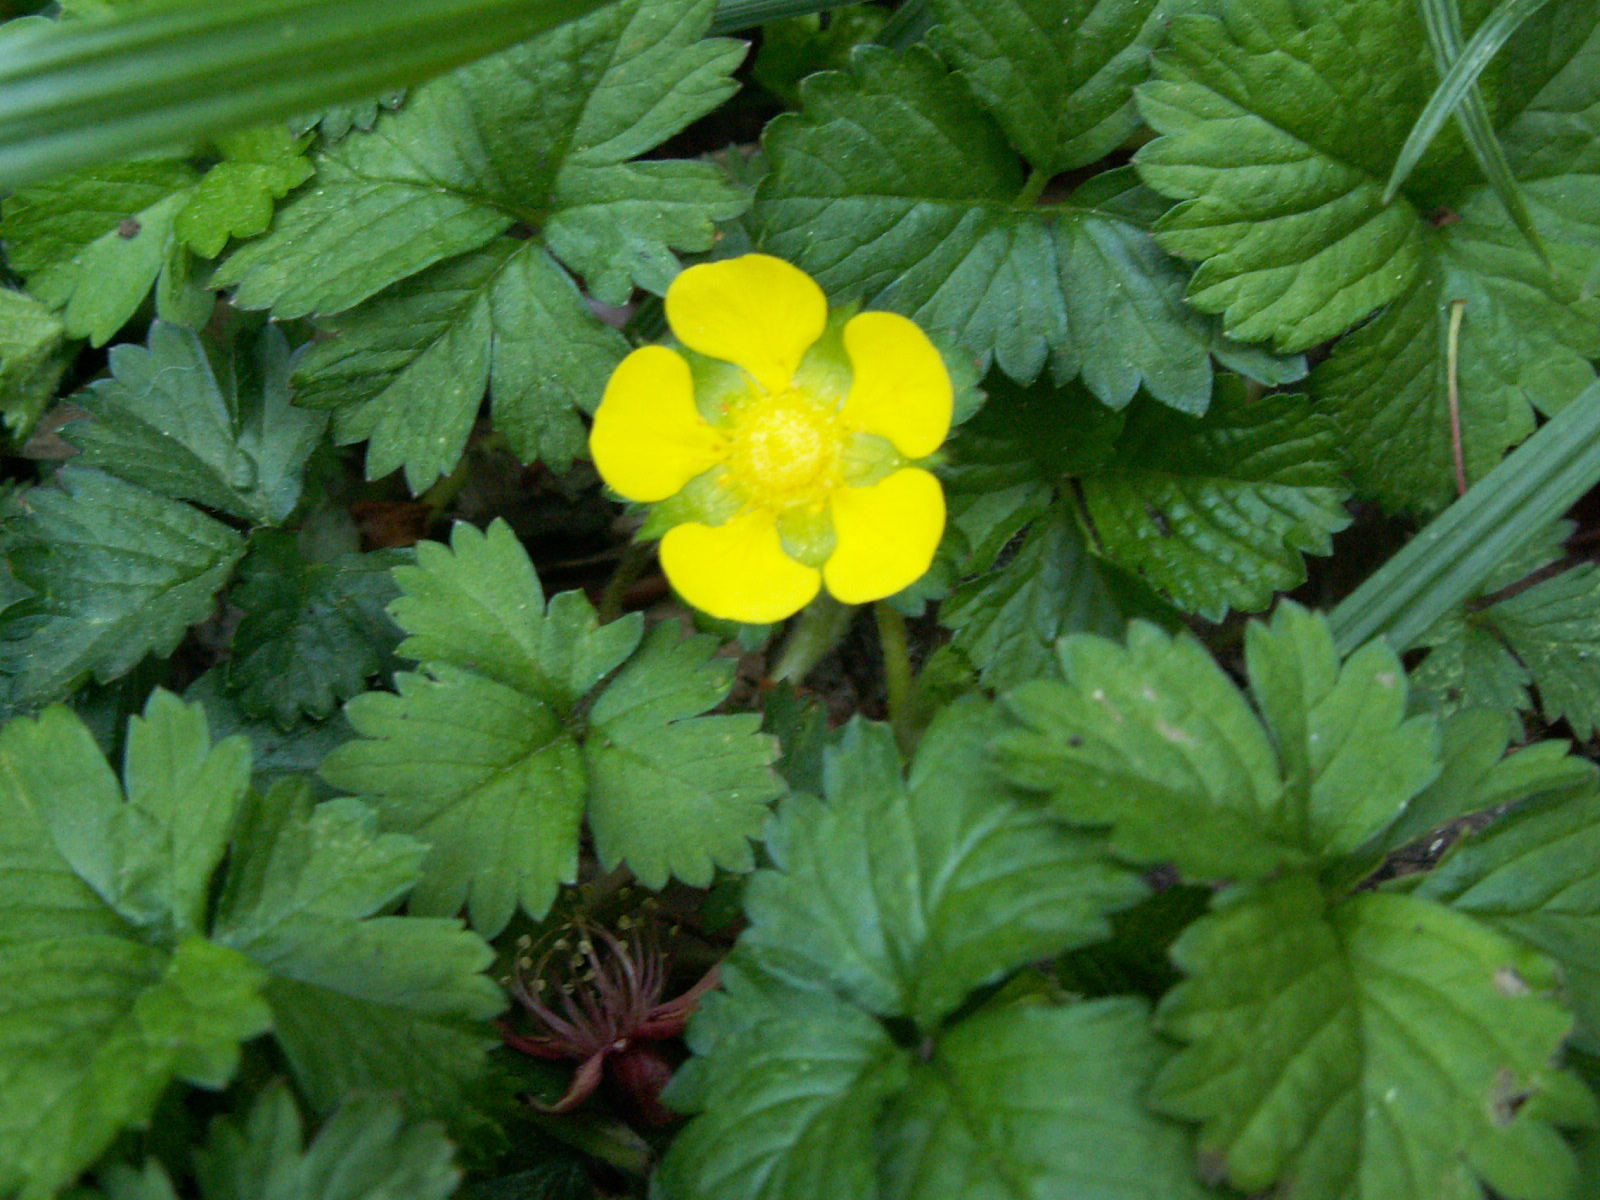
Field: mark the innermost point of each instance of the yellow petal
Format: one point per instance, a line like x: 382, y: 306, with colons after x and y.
x: 648, y: 438
x: 901, y: 390
x: 737, y: 571
x: 756, y: 311
x: 887, y: 535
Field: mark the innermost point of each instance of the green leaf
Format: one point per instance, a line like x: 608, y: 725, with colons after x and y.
x: 33, y: 355
x: 1155, y: 741
x: 313, y: 632
x: 907, y: 896
x: 365, y: 1151
x: 1058, y: 77
x: 1382, y: 1046
x: 274, y: 753
x: 92, y: 244
x: 408, y: 369
x: 117, y: 572
x: 236, y: 198
x: 895, y: 187
x: 1216, y: 512
x: 167, y: 421
x: 358, y: 1000
x: 1533, y: 875
x: 514, y: 164
x: 82, y: 92
x: 1060, y: 1089
x: 97, y: 1015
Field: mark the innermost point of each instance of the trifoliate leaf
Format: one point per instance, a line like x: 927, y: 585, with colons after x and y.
x: 236, y: 198
x: 671, y: 791
x: 93, y: 243
x: 1061, y: 1089
x: 358, y: 1000
x: 1382, y: 1046
x: 907, y: 895
x: 894, y: 186
x: 117, y: 573
x: 409, y: 368
x: 512, y: 164
x: 165, y: 420
x: 1280, y: 192
x: 1155, y: 741
x: 313, y: 631
x: 365, y: 1151
x: 106, y: 993
x: 1217, y: 512
x: 482, y: 753
x: 1058, y: 77
x: 33, y: 355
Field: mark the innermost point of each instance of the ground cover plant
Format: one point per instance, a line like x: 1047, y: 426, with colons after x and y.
x: 962, y: 598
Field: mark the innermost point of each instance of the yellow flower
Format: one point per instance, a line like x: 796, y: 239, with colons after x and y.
x: 778, y: 444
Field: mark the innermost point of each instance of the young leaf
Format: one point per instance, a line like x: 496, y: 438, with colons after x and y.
x: 673, y: 792
x: 1216, y: 512
x: 117, y: 573
x: 236, y: 198
x: 358, y: 1000
x: 99, y: 1015
x: 1155, y: 741
x: 363, y: 1152
x: 1383, y: 1046
x: 166, y: 421
x: 907, y: 896
x: 33, y: 354
x: 893, y: 185
x: 538, y: 137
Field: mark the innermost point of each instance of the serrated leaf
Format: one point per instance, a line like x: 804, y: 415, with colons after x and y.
x: 274, y: 752
x: 1156, y: 742
x: 671, y: 791
x: 894, y: 186
x: 313, y: 632
x: 1382, y: 1046
x: 33, y: 355
x: 358, y: 1000
x: 117, y: 573
x: 409, y: 368
x: 365, y: 1151
x: 538, y: 137
x: 906, y: 896
x: 165, y: 420
x: 97, y: 1016
x: 1217, y: 512
x: 1058, y: 77
x: 235, y: 199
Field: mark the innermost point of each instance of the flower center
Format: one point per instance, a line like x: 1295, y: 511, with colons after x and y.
x: 785, y: 449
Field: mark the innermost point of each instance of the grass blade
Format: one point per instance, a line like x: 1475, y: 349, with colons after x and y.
x: 1451, y: 557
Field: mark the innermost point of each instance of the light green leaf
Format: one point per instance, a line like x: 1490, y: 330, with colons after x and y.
x: 117, y: 572
x: 1216, y: 512
x: 1383, y: 1046
x: 1156, y: 741
x: 1061, y: 1090
x: 33, y: 355
x: 313, y: 631
x: 671, y: 791
x: 358, y: 1000
x: 236, y: 197
x: 894, y: 186
x: 365, y: 1151
x: 166, y: 421
x: 92, y: 244
x: 1058, y: 77
x: 907, y: 896
x: 97, y: 1017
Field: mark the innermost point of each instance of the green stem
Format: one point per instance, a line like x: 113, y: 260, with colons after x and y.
x: 822, y: 623
x: 635, y: 559
x: 897, y: 675
x: 1032, y: 190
